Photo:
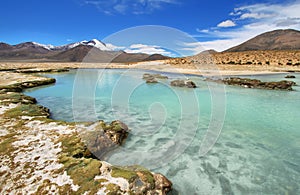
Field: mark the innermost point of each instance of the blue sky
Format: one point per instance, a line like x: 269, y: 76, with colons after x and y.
x: 214, y: 24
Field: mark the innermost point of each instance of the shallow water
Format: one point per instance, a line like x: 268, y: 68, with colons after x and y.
x: 257, y: 151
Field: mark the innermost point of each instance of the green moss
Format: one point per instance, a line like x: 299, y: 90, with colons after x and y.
x: 6, y: 144
x: 117, y: 128
x: 72, y: 145
x: 81, y: 170
x: 130, y: 173
x: 124, y: 173
x: 83, y: 174
x: 11, y: 88
x: 147, y: 177
x: 27, y: 110
x: 13, y: 97
x: 112, y: 189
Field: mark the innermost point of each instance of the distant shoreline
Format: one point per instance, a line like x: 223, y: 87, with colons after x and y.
x: 160, y: 66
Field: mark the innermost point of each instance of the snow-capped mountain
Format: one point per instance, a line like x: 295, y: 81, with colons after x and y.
x: 74, y: 52
x: 49, y: 47
x: 94, y: 42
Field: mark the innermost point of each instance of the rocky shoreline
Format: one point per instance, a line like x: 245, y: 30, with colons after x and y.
x: 43, y: 156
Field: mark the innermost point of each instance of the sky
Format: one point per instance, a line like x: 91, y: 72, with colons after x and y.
x: 214, y: 24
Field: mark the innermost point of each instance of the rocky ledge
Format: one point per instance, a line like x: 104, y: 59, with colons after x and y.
x: 255, y: 83
x: 43, y: 156
x: 41, y: 70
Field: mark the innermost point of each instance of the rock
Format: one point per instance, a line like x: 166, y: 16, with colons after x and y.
x: 151, y: 80
x: 289, y: 77
x: 103, y: 138
x: 118, y: 132
x: 190, y: 84
x: 162, y: 183
x: 147, y: 76
x: 255, y: 83
x: 178, y: 83
x: 159, y: 76
x: 182, y: 83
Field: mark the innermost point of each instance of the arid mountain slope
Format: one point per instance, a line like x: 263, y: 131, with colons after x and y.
x: 275, y: 40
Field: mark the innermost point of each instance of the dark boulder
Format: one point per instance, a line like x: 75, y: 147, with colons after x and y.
x: 182, y: 83
x: 289, y: 77
x: 190, y: 84
x: 151, y: 80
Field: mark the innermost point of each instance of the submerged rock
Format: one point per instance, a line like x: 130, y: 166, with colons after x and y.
x: 183, y: 83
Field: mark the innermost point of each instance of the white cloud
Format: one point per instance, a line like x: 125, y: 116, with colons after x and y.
x: 256, y: 15
x: 148, y: 49
x: 218, y: 45
x: 287, y: 22
x: 114, y: 47
x: 251, y: 21
x: 226, y: 23
x: 128, y: 6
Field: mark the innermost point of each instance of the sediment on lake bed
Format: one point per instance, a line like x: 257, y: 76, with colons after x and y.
x: 40, y: 155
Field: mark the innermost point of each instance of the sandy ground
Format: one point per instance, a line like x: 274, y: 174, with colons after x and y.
x: 206, y: 70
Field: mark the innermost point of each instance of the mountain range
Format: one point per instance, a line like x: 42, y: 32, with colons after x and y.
x: 97, y: 51
x: 88, y: 51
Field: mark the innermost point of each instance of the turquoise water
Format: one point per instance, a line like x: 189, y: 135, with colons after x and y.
x: 257, y: 151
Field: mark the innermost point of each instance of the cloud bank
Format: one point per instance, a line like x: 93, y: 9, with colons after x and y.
x: 148, y: 49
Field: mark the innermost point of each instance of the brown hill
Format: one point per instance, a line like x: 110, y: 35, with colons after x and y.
x: 275, y: 40
x: 4, y: 46
x: 22, y: 51
x: 90, y: 54
x: 85, y: 53
x: 210, y: 51
x: 154, y: 57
